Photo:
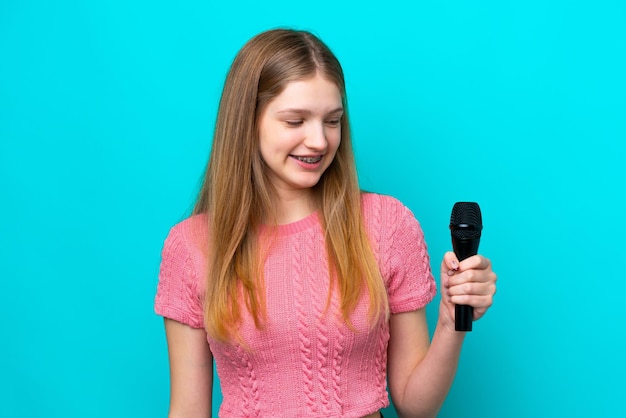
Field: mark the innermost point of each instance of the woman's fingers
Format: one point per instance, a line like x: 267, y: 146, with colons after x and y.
x: 472, y: 283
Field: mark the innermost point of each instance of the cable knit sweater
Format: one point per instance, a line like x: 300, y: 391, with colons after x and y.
x: 305, y: 362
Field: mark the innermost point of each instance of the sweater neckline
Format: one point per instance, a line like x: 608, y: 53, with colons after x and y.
x: 293, y: 227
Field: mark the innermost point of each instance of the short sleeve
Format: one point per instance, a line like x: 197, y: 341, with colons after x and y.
x: 410, y: 282
x: 177, y: 295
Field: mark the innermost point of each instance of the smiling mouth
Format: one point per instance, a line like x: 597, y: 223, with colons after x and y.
x: 308, y: 160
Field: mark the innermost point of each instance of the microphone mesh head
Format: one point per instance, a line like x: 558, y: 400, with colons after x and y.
x: 466, y: 221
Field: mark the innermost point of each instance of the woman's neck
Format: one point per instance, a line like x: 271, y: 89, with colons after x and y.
x: 294, y: 207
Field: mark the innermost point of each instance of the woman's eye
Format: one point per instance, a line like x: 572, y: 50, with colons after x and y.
x: 294, y: 122
x: 333, y: 122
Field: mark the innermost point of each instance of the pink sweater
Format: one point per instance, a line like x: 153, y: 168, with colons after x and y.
x: 306, y: 362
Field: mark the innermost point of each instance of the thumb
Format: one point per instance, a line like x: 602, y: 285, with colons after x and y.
x: 450, y: 263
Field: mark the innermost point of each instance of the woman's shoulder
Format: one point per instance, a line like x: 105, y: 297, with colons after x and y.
x: 376, y: 202
x: 384, y: 215
x: 192, y: 231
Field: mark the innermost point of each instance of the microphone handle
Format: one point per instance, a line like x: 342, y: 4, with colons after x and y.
x: 464, y: 314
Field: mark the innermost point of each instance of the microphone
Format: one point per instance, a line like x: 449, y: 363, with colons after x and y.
x: 465, y: 225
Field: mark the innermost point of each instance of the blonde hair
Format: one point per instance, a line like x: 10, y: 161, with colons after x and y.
x: 237, y: 195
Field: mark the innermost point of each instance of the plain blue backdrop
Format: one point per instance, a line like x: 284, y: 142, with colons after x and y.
x: 106, y: 115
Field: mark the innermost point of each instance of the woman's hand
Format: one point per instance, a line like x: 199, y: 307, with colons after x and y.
x: 469, y: 282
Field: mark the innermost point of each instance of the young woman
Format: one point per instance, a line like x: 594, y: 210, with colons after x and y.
x: 309, y: 294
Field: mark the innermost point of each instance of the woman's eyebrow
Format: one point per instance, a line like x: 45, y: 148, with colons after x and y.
x: 307, y: 111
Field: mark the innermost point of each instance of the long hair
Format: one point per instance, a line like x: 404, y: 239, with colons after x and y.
x: 237, y: 195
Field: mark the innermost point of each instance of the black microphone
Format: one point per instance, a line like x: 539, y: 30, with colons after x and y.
x: 465, y: 225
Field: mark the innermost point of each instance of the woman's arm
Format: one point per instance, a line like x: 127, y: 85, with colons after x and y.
x: 420, y: 373
x: 191, y: 371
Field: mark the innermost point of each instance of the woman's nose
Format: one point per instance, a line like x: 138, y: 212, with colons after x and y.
x: 316, y: 137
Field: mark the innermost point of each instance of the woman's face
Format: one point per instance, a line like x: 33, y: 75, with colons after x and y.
x: 299, y: 133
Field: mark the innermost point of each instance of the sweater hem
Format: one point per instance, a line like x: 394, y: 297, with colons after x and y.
x: 176, y: 314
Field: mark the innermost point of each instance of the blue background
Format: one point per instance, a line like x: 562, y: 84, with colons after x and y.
x: 106, y: 116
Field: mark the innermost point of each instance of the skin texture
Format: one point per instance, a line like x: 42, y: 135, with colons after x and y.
x: 303, y: 121
x: 191, y: 371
